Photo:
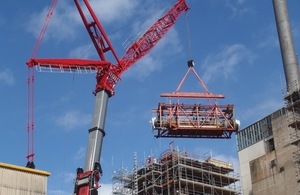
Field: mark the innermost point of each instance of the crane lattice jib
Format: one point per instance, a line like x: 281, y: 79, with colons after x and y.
x: 152, y: 36
x: 108, y: 79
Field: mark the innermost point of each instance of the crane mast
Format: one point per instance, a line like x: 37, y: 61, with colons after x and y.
x: 107, y: 76
x: 96, y: 31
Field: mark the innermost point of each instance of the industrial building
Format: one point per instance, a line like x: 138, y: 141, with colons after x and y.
x: 15, y: 180
x: 267, y: 155
x: 269, y: 149
x: 176, y: 172
x: 269, y: 152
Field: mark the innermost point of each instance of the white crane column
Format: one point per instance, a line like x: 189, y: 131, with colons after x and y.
x: 96, y: 133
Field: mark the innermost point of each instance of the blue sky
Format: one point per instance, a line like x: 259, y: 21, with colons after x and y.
x: 233, y: 43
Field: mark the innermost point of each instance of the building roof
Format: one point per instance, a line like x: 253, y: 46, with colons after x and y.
x: 24, y: 169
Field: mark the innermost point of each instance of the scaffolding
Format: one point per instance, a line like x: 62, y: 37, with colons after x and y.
x: 177, y: 173
x: 122, y: 182
x: 293, y: 114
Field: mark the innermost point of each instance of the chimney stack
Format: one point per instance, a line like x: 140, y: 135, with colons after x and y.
x: 288, y: 53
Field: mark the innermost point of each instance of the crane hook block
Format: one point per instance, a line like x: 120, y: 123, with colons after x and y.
x: 191, y: 63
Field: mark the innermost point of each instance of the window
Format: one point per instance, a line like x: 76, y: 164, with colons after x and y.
x: 255, y: 133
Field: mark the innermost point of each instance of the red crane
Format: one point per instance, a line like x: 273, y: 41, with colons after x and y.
x: 107, y: 76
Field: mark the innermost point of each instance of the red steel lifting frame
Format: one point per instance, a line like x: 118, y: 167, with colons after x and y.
x: 199, y: 120
x: 194, y: 121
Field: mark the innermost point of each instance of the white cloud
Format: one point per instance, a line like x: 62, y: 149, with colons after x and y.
x: 69, y: 177
x: 223, y: 64
x: 80, y: 153
x: 124, y: 119
x: 73, y: 119
x: 58, y: 192
x: 62, y: 23
x: 241, y: 1
x: 256, y: 112
x: 66, y: 19
x: 114, y: 10
x: 105, y: 189
x: 238, y: 7
x: 269, y: 38
x: 7, y: 77
x: 83, y: 51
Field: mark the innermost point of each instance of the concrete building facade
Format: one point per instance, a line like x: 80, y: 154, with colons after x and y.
x: 267, y: 156
x: 16, y: 180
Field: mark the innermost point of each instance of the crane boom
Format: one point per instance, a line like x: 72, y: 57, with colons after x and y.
x: 107, y: 76
x: 153, y: 35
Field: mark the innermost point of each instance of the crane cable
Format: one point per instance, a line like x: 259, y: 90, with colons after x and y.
x: 30, y: 91
x: 188, y: 34
x: 190, y: 53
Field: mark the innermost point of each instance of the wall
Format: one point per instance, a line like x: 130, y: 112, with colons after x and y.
x: 16, y: 180
x: 245, y: 156
x: 275, y: 173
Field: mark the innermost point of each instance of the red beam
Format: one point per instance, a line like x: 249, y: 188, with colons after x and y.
x: 191, y: 95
